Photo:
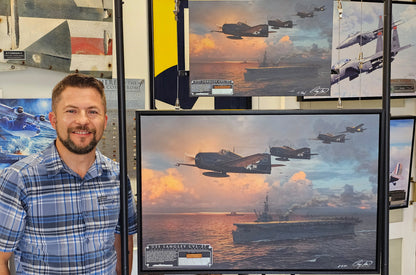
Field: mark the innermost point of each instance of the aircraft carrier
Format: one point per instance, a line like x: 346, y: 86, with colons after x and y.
x: 266, y: 229
x: 268, y: 71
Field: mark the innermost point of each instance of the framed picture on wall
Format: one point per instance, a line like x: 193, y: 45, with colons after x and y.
x: 259, y: 48
x: 357, y: 52
x: 401, y: 158
x: 24, y: 128
x: 258, y: 191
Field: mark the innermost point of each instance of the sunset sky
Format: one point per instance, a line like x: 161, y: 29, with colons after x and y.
x: 342, y: 174
x: 307, y: 34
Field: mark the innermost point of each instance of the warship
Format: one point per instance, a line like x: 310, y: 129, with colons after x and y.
x: 273, y: 71
x: 6, y: 157
x: 264, y: 228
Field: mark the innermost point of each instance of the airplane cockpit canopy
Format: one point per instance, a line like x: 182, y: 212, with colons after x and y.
x: 340, y: 63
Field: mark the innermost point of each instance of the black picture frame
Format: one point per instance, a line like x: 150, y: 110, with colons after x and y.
x: 402, y: 129
x: 187, y: 214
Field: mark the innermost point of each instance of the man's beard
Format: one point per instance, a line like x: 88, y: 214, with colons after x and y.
x: 72, y: 147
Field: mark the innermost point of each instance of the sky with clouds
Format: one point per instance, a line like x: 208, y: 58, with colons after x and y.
x: 307, y: 35
x: 339, y: 171
x: 401, y: 143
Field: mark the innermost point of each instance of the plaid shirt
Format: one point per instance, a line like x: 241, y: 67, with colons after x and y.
x: 56, y: 222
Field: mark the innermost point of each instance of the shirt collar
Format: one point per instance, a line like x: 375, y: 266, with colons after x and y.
x: 54, y: 164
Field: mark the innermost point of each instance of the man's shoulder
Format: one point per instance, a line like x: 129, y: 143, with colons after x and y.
x: 106, y: 162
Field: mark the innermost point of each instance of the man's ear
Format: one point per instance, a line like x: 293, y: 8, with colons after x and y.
x: 52, y: 119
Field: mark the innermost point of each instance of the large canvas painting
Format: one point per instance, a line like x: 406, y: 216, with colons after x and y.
x: 401, y: 156
x: 260, y: 48
x: 258, y: 192
x: 24, y: 128
x: 357, y: 51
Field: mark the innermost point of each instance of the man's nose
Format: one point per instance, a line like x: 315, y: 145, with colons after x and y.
x: 82, y: 117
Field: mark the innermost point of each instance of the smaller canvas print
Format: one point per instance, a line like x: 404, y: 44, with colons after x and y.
x: 357, y: 51
x: 259, y: 191
x: 24, y: 128
x: 401, y: 155
x: 260, y: 48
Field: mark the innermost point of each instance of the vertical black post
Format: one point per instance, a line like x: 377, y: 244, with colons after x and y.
x: 118, y: 7
x: 386, y: 114
x: 151, y: 55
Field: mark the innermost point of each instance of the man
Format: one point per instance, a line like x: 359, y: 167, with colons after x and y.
x: 59, y: 208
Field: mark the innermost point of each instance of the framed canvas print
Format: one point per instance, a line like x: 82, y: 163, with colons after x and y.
x: 259, y: 48
x: 357, y: 51
x: 258, y: 191
x: 24, y: 128
x: 401, y: 157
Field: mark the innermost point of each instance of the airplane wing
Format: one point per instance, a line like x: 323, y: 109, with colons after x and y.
x: 257, y: 31
x: 185, y: 164
x: 246, y: 161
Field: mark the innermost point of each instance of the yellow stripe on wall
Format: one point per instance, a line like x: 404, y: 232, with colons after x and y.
x: 165, y: 35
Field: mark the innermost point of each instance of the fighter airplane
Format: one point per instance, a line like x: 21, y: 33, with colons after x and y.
x: 284, y: 153
x: 352, y: 68
x: 276, y: 24
x: 304, y: 14
x: 223, y: 162
x: 362, y: 38
x: 395, y: 174
x: 328, y: 138
x: 354, y: 129
x: 16, y: 122
x: 240, y: 30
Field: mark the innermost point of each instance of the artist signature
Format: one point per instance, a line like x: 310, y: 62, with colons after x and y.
x: 362, y: 264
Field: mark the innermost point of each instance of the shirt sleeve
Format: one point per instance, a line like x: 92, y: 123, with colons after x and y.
x: 132, y: 215
x: 12, y: 212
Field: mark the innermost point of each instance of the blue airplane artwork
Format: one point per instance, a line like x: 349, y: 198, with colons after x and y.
x: 15, y: 121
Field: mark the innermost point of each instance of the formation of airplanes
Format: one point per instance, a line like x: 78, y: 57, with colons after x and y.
x: 240, y: 29
x: 352, y: 68
x: 220, y: 163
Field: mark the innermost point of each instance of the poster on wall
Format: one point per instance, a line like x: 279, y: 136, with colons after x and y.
x: 285, y: 192
x: 401, y: 156
x: 24, y: 128
x: 357, y: 51
x: 66, y: 36
x: 260, y: 48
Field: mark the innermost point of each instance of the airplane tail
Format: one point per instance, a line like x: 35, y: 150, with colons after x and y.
x: 395, y: 43
x: 379, y: 46
x: 398, y: 169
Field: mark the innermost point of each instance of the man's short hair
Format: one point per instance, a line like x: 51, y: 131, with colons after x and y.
x: 80, y: 81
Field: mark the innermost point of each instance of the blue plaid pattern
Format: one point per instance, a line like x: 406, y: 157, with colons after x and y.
x: 56, y: 222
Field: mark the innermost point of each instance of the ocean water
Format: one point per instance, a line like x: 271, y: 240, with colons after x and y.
x: 333, y: 253
x: 292, y: 84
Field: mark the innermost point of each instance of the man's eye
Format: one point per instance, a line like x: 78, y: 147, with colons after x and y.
x: 70, y: 111
x: 93, y: 112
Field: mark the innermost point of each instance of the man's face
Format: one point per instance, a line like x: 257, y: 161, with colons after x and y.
x: 79, y: 119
